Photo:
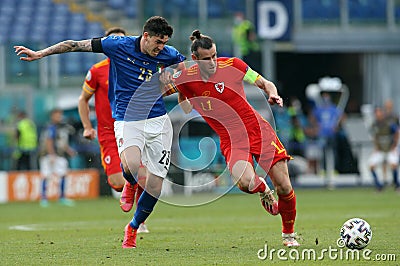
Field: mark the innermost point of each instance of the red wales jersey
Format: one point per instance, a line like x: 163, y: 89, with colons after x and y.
x: 221, y: 101
x: 96, y: 83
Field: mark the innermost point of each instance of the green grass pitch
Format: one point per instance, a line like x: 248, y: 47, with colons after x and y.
x: 228, y: 231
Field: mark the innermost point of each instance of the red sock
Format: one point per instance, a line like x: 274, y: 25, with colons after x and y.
x: 116, y: 188
x: 287, y: 209
x: 259, y: 186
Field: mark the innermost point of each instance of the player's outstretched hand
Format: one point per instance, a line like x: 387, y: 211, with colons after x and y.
x: 89, y: 133
x: 30, y: 55
x: 275, y: 99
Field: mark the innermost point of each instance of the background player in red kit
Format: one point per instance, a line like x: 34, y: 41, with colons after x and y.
x: 96, y: 83
x: 213, y: 86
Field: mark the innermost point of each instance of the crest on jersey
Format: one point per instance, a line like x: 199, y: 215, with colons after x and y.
x: 220, y: 86
x: 107, y: 159
x: 160, y: 67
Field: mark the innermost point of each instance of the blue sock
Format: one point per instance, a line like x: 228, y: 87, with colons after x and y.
x: 376, y: 180
x: 132, y: 179
x: 269, y: 182
x: 62, y: 187
x: 396, y: 178
x: 144, y: 207
x: 44, y: 186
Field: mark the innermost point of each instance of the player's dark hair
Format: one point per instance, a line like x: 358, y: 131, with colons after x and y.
x: 200, y: 41
x: 158, y: 26
x: 115, y: 30
x: 56, y: 110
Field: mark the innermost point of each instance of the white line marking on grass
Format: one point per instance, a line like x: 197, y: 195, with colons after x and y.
x: 67, y: 225
x: 22, y: 227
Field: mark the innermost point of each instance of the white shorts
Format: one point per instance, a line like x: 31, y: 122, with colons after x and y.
x: 378, y: 157
x: 154, y: 139
x: 51, y: 166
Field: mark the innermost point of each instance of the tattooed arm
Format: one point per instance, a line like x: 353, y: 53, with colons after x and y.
x: 59, y: 48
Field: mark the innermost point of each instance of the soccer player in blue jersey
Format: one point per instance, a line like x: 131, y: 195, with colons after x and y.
x: 143, y: 130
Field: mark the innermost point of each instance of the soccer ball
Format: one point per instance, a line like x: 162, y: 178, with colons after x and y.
x: 356, y: 233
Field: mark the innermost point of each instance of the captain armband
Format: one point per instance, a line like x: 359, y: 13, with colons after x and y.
x: 251, y: 76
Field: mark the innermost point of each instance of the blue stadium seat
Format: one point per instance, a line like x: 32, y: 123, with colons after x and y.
x: 38, y: 32
x: 26, y: 3
x: 8, y: 4
x: 397, y: 12
x: 77, y: 24
x: 320, y: 9
x: 215, y: 8
x: 367, y: 9
x: 131, y: 8
x: 117, y: 4
x: 190, y: 9
x: 89, y: 59
x: 94, y: 29
x: 237, y: 6
x: 57, y: 32
x: 44, y: 2
x: 5, y: 21
x: 71, y: 64
x: 60, y: 9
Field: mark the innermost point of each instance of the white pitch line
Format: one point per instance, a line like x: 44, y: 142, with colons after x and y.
x: 23, y: 227
x: 64, y: 225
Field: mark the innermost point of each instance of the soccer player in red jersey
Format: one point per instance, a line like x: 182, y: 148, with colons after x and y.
x: 214, y: 87
x: 96, y: 83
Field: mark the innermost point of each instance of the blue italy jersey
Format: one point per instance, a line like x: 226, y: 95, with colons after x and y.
x: 134, y: 90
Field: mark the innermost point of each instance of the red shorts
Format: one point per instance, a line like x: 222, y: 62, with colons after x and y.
x: 109, y: 156
x: 264, y: 146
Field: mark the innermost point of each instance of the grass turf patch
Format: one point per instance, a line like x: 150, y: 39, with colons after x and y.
x: 228, y: 231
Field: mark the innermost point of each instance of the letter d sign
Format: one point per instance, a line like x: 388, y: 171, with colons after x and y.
x: 265, y: 10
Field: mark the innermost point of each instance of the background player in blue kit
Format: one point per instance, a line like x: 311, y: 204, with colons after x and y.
x: 143, y: 130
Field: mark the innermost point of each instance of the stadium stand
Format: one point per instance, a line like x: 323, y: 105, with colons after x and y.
x: 45, y: 22
x: 320, y: 10
x: 371, y: 10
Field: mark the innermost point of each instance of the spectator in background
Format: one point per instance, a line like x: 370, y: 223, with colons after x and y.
x: 313, y: 149
x: 328, y: 117
x: 244, y: 36
x: 394, y: 119
x: 390, y: 114
x: 297, y: 137
x: 283, y: 123
x: 345, y: 161
x: 385, y: 136
x: 27, y: 141
x: 55, y: 149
